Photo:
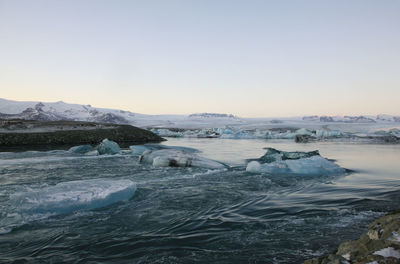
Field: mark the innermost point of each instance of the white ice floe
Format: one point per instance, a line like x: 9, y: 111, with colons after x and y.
x: 307, y: 166
x: 388, y: 252
x: 253, y: 166
x: 72, y: 196
x: 304, y: 163
x: 346, y: 256
x: 178, y: 158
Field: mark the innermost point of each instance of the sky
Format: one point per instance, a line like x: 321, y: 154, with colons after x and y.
x: 250, y: 58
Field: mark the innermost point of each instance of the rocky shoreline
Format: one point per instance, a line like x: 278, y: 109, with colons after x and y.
x: 23, y: 134
x: 380, y: 244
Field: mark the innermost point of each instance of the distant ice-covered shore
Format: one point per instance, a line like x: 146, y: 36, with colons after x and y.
x: 380, y: 128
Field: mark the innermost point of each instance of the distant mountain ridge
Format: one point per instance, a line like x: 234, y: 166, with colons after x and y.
x: 56, y: 111
x: 62, y: 111
x: 353, y: 119
x: 212, y: 115
x: 42, y: 111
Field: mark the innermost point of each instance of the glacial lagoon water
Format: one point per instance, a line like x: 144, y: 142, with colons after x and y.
x: 59, y: 207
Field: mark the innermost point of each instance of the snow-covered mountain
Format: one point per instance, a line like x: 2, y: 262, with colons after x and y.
x: 212, y: 115
x: 43, y: 111
x: 62, y: 111
x: 31, y: 110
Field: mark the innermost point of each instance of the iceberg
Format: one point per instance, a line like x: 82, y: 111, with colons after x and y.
x: 164, y: 132
x: 67, y: 197
x: 273, y: 155
x: 108, y: 147
x: 303, y: 163
x: 81, y: 149
x: 177, y: 158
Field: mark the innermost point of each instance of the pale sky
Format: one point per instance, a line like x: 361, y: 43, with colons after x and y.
x: 249, y: 58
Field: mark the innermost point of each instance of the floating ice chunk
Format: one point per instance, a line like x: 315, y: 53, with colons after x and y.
x: 303, y: 131
x: 253, y: 166
x: 140, y: 149
x: 280, y: 135
x: 108, y: 147
x: 161, y: 162
x: 304, y: 163
x: 324, y: 133
x: 81, y: 149
x: 277, y: 155
x: 316, y: 165
x: 177, y: 158
x: 163, y: 132
x: 388, y: 252
x: 72, y: 196
x: 92, y: 153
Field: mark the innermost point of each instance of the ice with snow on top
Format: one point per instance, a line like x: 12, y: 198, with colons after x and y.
x: 178, y: 158
x: 72, y: 196
x: 302, y: 163
x: 388, y: 252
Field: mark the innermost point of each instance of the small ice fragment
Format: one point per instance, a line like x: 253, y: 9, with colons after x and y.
x: 346, y: 256
x: 138, y: 149
x: 388, y: 252
x: 92, y: 153
x: 395, y: 237
x: 81, y: 149
x: 161, y: 162
x: 253, y: 166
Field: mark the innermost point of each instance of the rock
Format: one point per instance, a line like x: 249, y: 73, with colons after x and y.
x: 379, y: 244
x: 390, y: 139
x: 29, y: 135
x: 303, y: 138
